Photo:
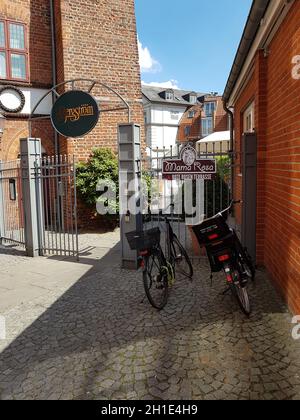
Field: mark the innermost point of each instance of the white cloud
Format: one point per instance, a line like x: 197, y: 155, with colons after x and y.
x: 147, y: 63
x: 170, y: 84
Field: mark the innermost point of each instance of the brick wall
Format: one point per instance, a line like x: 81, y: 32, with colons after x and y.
x: 36, y: 17
x: 98, y: 40
x: 194, y: 124
x: 277, y: 121
x: 220, y: 120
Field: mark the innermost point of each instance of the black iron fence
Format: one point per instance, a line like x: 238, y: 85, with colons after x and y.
x: 186, y: 203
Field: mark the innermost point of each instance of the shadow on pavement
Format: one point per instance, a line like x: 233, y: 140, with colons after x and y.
x: 99, y: 341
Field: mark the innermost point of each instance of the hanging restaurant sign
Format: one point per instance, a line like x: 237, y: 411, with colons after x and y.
x: 75, y: 114
x: 189, y: 167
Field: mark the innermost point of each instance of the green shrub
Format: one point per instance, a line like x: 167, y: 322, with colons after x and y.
x: 217, y: 191
x: 102, y: 165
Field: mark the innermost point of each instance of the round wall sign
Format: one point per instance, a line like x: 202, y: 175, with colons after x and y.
x: 75, y: 114
x: 12, y: 99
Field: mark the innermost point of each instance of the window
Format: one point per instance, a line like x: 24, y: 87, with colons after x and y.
x: 249, y: 119
x: 12, y: 190
x: 175, y: 115
x: 193, y: 99
x: 209, y: 108
x: 191, y: 114
x: 169, y: 96
x: 187, y: 131
x: 13, y: 51
x: 207, y: 126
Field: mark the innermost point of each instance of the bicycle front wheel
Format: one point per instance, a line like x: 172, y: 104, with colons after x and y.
x: 183, y: 265
x: 156, y: 281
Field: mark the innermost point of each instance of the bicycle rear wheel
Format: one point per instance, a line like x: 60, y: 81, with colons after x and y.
x: 242, y: 297
x: 183, y: 265
x: 238, y: 290
x: 248, y: 265
x: 240, y: 293
x: 155, y: 278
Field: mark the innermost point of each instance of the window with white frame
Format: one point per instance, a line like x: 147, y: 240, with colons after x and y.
x: 207, y: 126
x: 249, y: 119
x: 13, y: 51
x: 169, y: 95
x: 175, y: 115
x: 191, y: 114
x: 209, y: 108
x: 193, y: 99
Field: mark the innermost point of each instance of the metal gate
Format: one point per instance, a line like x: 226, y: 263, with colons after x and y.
x: 38, y: 203
x: 11, y: 204
x: 58, y: 217
x: 215, y: 195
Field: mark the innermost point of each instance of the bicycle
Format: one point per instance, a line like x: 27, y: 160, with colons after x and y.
x: 225, y: 252
x: 159, y: 271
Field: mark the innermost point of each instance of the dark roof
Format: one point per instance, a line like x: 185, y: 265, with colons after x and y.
x: 257, y: 12
x: 152, y: 93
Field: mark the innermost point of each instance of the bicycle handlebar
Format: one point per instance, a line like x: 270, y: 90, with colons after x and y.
x: 161, y: 212
x: 230, y: 207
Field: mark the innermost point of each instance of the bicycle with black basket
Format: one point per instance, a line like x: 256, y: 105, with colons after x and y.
x: 226, y: 253
x: 160, y: 270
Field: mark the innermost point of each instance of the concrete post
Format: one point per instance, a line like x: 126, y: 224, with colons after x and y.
x: 129, y: 188
x: 32, y: 197
x: 2, y: 225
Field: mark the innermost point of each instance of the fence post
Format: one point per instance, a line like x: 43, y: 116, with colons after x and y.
x: 32, y: 197
x: 1, y: 206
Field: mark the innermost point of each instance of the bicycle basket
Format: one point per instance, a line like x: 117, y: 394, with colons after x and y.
x: 144, y: 239
x: 211, y: 230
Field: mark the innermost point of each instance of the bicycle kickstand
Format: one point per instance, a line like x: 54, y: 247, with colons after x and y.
x: 226, y: 291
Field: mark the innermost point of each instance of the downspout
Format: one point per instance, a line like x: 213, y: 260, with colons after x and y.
x: 54, y: 77
x: 231, y: 151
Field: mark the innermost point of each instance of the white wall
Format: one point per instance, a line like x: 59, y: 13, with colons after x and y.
x: 10, y: 99
x: 161, y: 127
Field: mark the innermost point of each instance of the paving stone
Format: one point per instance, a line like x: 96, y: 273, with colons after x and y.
x: 93, y: 339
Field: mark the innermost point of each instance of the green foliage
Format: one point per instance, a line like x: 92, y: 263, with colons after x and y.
x: 217, y: 191
x: 102, y: 165
x: 223, y: 165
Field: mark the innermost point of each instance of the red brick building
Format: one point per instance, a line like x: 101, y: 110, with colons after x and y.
x: 94, y: 39
x: 203, y: 119
x: 263, y: 91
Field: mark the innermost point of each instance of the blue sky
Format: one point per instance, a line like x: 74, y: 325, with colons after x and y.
x: 189, y: 44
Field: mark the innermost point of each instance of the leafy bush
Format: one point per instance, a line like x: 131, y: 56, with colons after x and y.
x: 217, y: 191
x: 102, y: 165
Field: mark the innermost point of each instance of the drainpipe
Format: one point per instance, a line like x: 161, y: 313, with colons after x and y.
x: 231, y: 151
x: 54, y: 77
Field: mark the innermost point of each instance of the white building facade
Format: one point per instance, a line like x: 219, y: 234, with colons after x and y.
x: 163, y: 111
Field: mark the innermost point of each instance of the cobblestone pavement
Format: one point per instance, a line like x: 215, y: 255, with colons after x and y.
x: 99, y: 340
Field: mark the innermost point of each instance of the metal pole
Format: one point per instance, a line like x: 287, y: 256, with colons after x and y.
x: 54, y: 78
x: 75, y: 210
x: 2, y: 225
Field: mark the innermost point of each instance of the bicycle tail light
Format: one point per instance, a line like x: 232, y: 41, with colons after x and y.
x: 229, y: 278
x: 141, y: 262
x: 223, y: 258
x: 213, y: 237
